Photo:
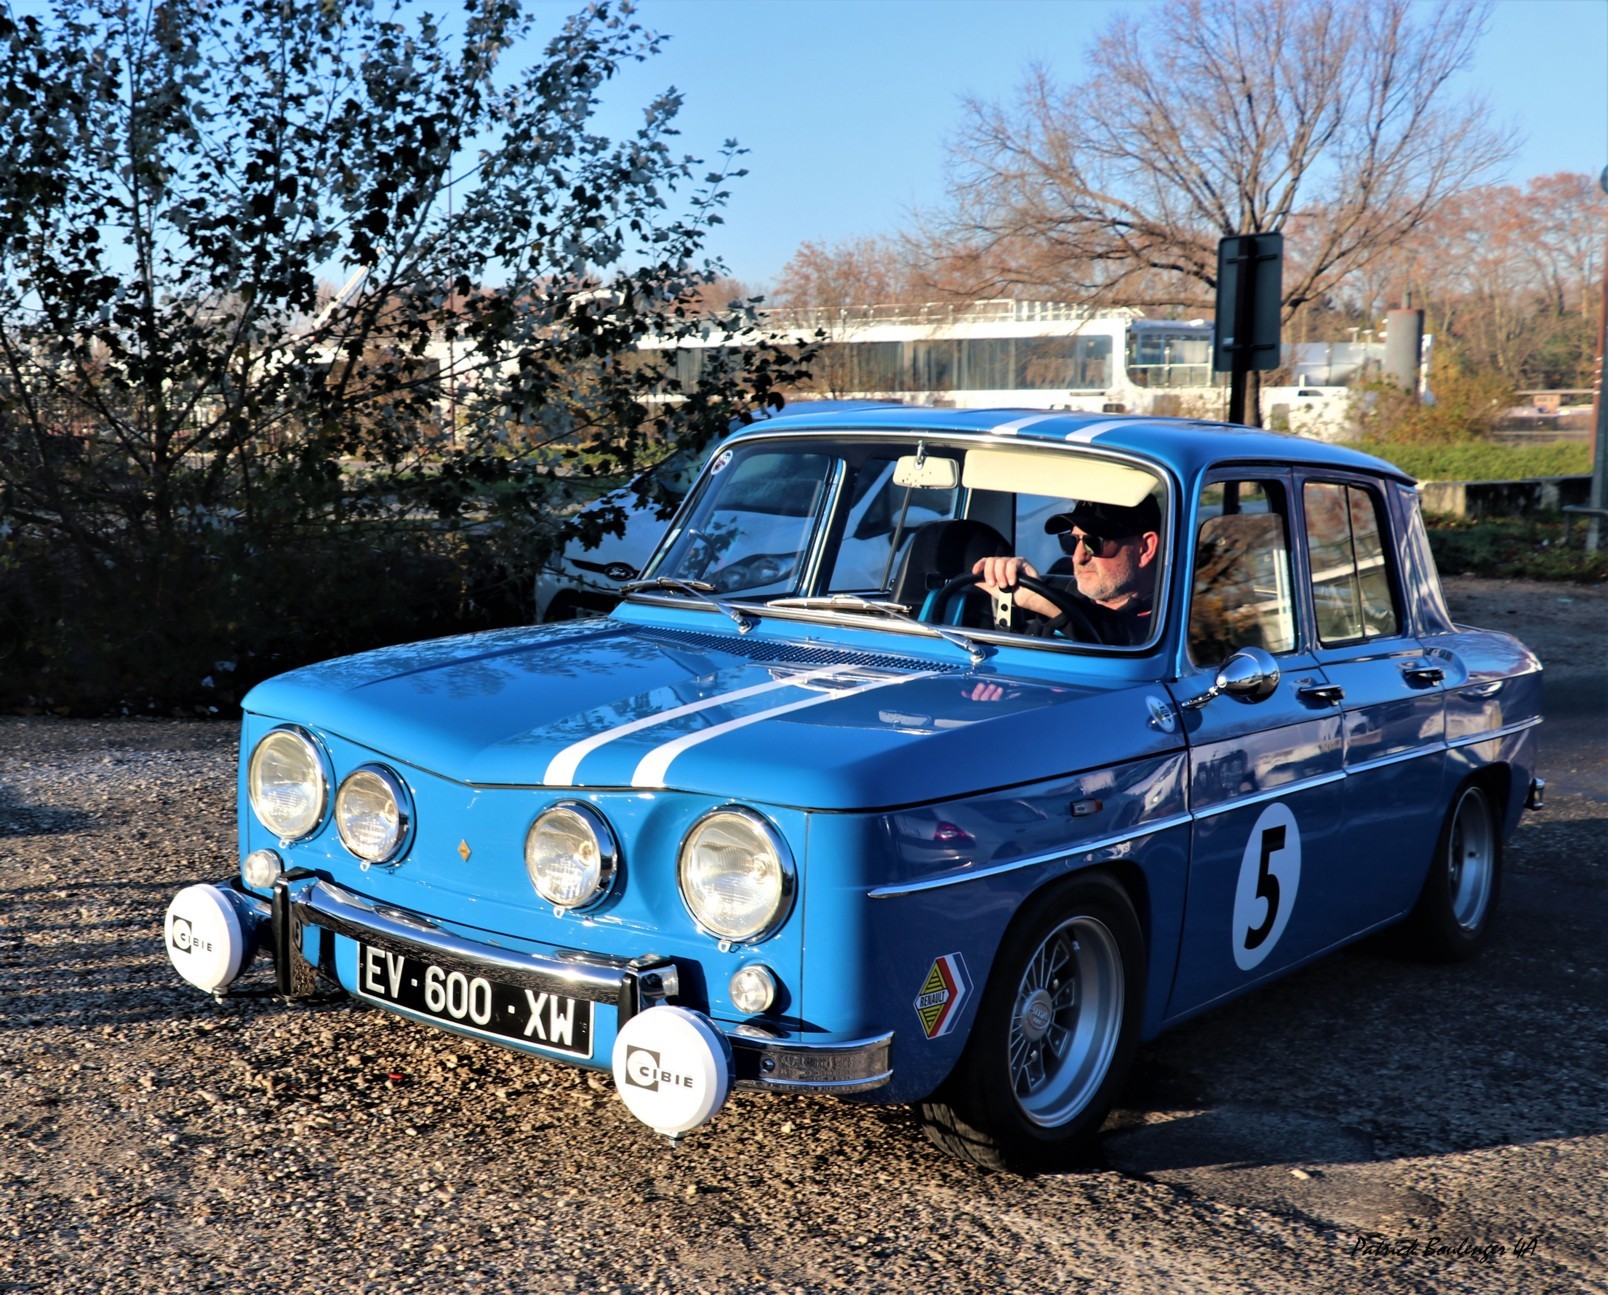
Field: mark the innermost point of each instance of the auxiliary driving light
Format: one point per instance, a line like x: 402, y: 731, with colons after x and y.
x: 206, y: 941
x: 753, y: 989
x: 260, y: 869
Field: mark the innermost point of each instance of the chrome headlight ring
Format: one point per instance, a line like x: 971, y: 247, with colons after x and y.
x: 374, y: 814
x: 736, y: 875
x: 571, y: 856
x: 289, y: 777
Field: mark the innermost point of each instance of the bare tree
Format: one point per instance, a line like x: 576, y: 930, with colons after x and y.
x: 1196, y: 120
x: 830, y: 290
x: 1566, y: 212
x: 1508, y: 276
x: 853, y: 272
x: 722, y: 293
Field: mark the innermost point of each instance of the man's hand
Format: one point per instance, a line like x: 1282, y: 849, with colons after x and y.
x: 1001, y: 575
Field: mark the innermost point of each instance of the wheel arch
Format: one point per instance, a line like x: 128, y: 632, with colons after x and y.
x: 1504, y: 790
x: 978, y: 1114
x: 1497, y: 779
x: 1128, y: 876
x: 1434, y: 929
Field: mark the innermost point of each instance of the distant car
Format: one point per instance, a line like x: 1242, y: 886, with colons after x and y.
x: 819, y: 809
x: 586, y: 578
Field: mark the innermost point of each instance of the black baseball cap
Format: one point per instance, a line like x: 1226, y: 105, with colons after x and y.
x: 1110, y: 521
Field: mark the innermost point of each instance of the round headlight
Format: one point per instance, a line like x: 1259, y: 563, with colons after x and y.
x: 571, y: 856
x: 373, y: 813
x: 287, y: 783
x: 736, y: 876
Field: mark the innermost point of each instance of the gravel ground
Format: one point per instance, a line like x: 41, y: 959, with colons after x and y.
x: 1367, y: 1122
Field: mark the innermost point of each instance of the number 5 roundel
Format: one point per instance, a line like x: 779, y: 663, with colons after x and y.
x: 1270, y: 872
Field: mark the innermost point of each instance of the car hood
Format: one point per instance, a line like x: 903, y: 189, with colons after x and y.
x: 787, y: 721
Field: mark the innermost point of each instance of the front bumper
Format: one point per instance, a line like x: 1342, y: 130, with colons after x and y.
x: 303, y: 902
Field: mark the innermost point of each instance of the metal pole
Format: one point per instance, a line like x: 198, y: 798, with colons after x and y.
x: 1599, y: 458
x: 1236, y: 392
x: 1244, y: 314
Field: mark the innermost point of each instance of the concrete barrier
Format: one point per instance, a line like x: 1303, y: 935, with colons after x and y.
x: 1503, y: 498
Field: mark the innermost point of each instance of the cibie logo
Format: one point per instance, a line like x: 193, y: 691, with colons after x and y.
x: 643, y: 1070
x: 182, y: 936
x: 945, y: 989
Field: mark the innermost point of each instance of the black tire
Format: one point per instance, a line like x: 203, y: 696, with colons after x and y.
x: 1452, y: 918
x: 1054, y: 1036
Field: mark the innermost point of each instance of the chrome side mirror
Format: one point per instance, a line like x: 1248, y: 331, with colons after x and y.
x: 1251, y: 674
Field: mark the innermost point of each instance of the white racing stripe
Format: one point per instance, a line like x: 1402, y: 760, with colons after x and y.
x: 656, y: 764
x: 561, y: 769
x: 1017, y: 424
x: 1088, y: 433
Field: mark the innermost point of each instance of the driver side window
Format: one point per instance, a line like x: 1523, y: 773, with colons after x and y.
x: 1243, y: 594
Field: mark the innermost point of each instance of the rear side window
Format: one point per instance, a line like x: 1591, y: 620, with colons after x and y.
x: 1243, y: 595
x: 1351, y: 586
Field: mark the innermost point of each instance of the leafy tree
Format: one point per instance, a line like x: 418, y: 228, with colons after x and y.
x: 204, y: 455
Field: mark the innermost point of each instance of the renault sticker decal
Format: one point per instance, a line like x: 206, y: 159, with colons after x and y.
x: 942, y: 993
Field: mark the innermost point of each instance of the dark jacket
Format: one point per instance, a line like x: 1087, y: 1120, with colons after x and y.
x: 1124, y: 628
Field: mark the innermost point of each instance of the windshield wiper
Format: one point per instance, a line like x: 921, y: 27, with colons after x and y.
x: 853, y: 602
x: 696, y: 590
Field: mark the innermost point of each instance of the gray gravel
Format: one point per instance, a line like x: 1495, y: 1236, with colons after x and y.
x: 1368, y: 1122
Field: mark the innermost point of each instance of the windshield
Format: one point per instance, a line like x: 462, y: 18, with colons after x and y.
x: 894, y: 521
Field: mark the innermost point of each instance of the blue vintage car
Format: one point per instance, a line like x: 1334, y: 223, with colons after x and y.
x: 937, y: 757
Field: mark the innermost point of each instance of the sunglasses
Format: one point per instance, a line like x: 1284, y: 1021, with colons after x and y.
x: 1098, y: 546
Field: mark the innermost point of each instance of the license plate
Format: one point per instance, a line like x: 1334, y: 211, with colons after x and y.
x: 552, y: 1021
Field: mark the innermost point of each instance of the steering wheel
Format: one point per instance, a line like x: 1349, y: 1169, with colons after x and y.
x: 1078, y: 625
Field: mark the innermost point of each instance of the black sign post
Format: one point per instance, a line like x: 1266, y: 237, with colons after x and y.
x: 1250, y: 293
x: 1599, y: 462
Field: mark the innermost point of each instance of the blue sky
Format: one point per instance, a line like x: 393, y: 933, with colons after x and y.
x: 845, y: 105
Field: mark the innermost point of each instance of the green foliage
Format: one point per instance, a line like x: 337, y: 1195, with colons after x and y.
x: 1485, y: 461
x: 1531, y: 547
x: 192, y: 635
x: 1466, y: 408
x: 188, y: 425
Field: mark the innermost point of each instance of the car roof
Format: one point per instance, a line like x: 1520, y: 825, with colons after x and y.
x: 1186, y: 445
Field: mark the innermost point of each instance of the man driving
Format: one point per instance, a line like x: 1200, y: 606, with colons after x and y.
x: 1114, y: 552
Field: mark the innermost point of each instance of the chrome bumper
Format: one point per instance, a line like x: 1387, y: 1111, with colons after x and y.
x: 761, y: 1059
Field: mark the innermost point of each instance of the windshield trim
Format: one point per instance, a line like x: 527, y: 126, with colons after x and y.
x: 1163, y: 474
x: 847, y: 619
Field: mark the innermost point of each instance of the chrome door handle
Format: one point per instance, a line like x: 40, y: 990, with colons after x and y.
x: 1328, y: 694
x: 1423, y: 674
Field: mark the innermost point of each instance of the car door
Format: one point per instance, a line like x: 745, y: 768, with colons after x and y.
x: 1265, y: 777
x: 1389, y: 695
